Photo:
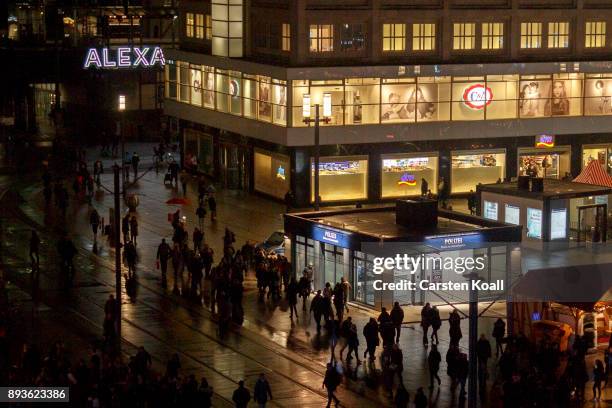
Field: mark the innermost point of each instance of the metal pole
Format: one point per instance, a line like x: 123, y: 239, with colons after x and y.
x: 473, y: 337
x: 117, y: 235
x: 316, y: 160
x: 123, y: 177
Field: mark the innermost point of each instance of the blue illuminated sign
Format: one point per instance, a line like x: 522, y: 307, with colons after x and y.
x: 454, y: 241
x: 330, y: 236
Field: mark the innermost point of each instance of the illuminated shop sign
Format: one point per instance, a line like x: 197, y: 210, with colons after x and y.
x: 545, y: 141
x: 454, y: 241
x: 330, y: 236
x: 477, y: 96
x: 124, y: 57
x: 280, y: 173
x: 407, y: 180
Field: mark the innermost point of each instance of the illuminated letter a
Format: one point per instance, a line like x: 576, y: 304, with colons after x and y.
x: 93, y: 58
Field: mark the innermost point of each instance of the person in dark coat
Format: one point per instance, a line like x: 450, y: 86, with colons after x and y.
x: 397, y: 317
x: 163, y: 255
x: 94, y: 221
x: 330, y: 382
x: 383, y: 316
x: 436, y: 323
x: 292, y: 297
x: 262, y: 391
x: 499, y: 332
x: 483, y: 351
x: 241, y: 396
x: 433, y: 362
x: 425, y: 322
x: 316, y: 308
x: 402, y: 397
x: 370, y: 332
x: 454, y: 331
x: 462, y: 371
x: 125, y: 227
x: 212, y: 206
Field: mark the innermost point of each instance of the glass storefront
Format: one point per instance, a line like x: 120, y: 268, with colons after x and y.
x: 403, y: 174
x: 198, y: 151
x: 601, y: 153
x: 272, y: 173
x: 341, y: 178
x: 548, y: 164
x: 256, y: 97
x: 470, y: 168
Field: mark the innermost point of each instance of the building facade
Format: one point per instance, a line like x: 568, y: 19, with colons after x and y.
x: 459, y: 91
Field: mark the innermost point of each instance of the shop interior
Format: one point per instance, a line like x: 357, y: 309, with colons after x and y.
x: 403, y: 175
x: 271, y: 173
x: 545, y: 164
x: 603, y: 155
x: 341, y: 178
x: 477, y: 166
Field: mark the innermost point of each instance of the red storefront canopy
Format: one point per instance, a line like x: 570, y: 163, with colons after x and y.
x: 595, y: 174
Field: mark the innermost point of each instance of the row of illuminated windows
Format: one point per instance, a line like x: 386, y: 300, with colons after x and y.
x: 252, y: 96
x: 198, y: 26
x: 465, y: 36
x: 357, y: 101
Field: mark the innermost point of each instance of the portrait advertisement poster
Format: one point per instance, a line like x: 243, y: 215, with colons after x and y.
x: 558, y: 223
x: 533, y: 98
x: 196, y: 86
x: 265, y: 108
x: 597, y: 94
x: 534, y: 223
x: 407, y: 102
x: 280, y: 101
x: 490, y: 210
x: 209, y: 87
x: 512, y: 215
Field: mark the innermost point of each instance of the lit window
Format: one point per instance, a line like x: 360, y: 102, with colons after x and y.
x: 424, y: 37
x: 189, y: 24
x: 208, y: 27
x: 531, y: 35
x: 286, y: 37
x: 352, y: 37
x: 492, y: 36
x: 199, y: 26
x: 595, y: 34
x: 464, y: 36
x: 394, y: 37
x: 321, y: 37
x: 558, y: 35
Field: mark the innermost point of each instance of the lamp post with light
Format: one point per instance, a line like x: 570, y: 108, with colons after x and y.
x: 306, y: 115
x: 121, y: 109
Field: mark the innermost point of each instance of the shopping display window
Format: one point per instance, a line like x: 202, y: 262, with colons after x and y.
x: 504, y: 94
x: 362, y: 101
x: 470, y: 168
x: 272, y: 173
x: 279, y: 99
x: 406, y: 174
x: 601, y: 153
x: 543, y: 95
x: 546, y: 163
x: 341, y: 178
x: 470, y: 98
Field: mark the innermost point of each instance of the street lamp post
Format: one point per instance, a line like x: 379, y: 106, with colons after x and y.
x: 306, y: 114
x: 121, y: 109
x: 117, y: 238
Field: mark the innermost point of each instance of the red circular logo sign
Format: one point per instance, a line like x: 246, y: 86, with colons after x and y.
x: 477, y: 96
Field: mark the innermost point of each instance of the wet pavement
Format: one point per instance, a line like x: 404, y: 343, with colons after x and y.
x: 290, y: 353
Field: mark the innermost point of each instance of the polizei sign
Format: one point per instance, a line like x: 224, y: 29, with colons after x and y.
x: 124, y: 57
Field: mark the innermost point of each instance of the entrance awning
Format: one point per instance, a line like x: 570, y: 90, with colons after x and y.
x: 594, y: 174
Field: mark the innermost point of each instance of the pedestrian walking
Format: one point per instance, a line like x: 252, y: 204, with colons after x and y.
x: 499, y: 332
x: 304, y: 289
x: 352, y: 339
x: 346, y: 288
x: 109, y: 319
x: 598, y: 378
x: 424, y: 187
x: 131, y: 256
x: 462, y: 372
x: 370, y: 332
x: 198, y: 238
x: 339, y: 301
x: 212, y: 206
x: 67, y: 251
x: 201, y: 214
x: 433, y: 362
x: 420, y: 400
x: 454, y: 331
x: 397, y: 318
x: 483, y: 351
x: 402, y: 397
x: 316, y: 308
x: 330, y: 382
x: 94, y: 221
x: 163, y: 255
x: 292, y: 297
x: 262, y: 391
x: 184, y: 181
x: 436, y: 323
x: 135, y: 162
x: 425, y: 322
x: 133, y: 229
x: 205, y: 393
x: 345, y: 327
x: 125, y: 227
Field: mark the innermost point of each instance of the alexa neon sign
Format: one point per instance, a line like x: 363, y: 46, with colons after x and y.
x: 124, y: 57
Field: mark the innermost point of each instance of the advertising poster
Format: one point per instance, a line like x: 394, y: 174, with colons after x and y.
x: 513, y: 215
x: 490, y: 210
x: 558, y: 223
x: 534, y: 223
x: 407, y: 103
x: 209, y: 87
x: 265, y: 108
x: 196, y: 86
